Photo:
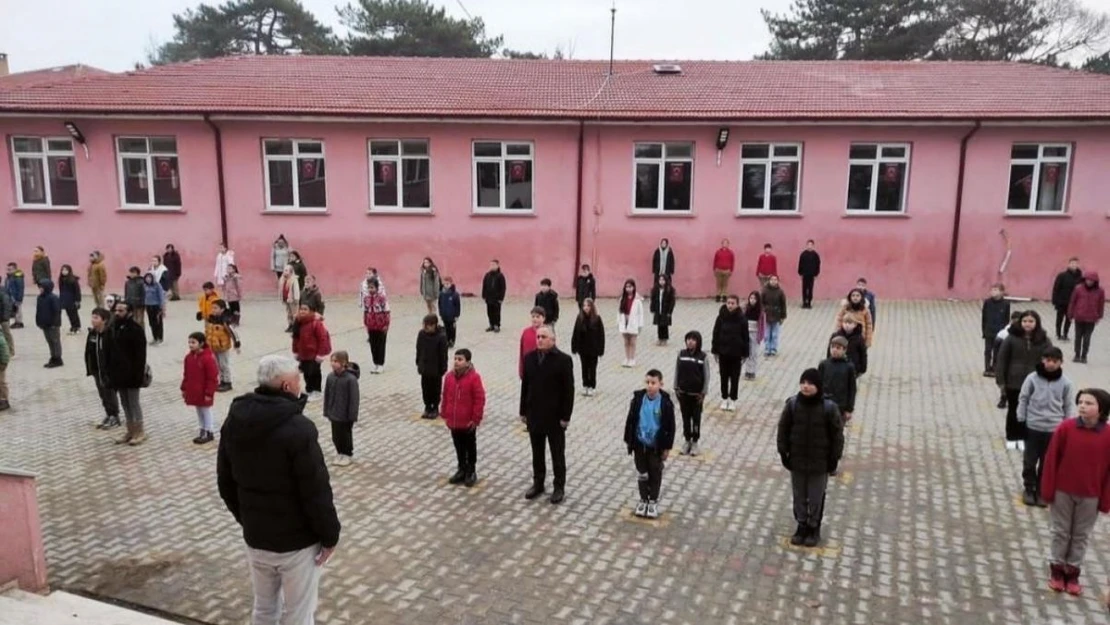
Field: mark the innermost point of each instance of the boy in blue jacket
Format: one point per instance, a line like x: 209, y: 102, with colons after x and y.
x: 649, y: 435
x: 450, y: 309
x: 48, y: 317
x: 15, y: 285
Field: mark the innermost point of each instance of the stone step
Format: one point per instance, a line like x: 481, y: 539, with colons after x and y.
x: 62, y: 608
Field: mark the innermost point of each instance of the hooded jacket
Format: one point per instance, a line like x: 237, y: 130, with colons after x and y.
x: 14, y: 284
x: 664, y: 437
x: 271, y: 474
x: 730, y: 334
x: 691, y: 370
x: 7, y: 306
x: 585, y: 287
x: 810, y: 434
x: 40, y: 267
x: 1062, y: 287
x: 341, y: 396
x: 154, y: 296
x: 450, y: 304
x: 549, y: 301
x: 1087, y: 303
x: 134, y: 292
x: 69, y: 291
x: 774, y: 303
x: 311, y: 339
x: 200, y: 377
x: 588, y: 336
x: 375, y: 312
x: 1018, y: 356
x: 310, y: 296
x: 126, y: 357
x: 48, y: 308
x: 431, y: 352
x: 662, y: 261
x: 1046, y: 400
x: 838, y: 380
x: 856, y: 352
x: 464, y: 399
x: 493, y: 286
x: 996, y: 315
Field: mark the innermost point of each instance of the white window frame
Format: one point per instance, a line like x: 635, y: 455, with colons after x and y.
x: 399, y: 169
x: 150, y: 155
x: 875, y: 162
x: 767, y: 163
x: 505, y: 156
x: 292, y: 160
x: 43, y: 156
x: 1037, y: 163
x: 662, y: 163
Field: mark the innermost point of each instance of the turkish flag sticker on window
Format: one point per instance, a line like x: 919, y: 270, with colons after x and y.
x: 385, y: 172
x: 677, y: 173
x: 517, y: 171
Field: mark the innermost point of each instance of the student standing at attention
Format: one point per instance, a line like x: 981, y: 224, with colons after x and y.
x: 809, y: 267
x: 649, y: 435
x: 766, y: 266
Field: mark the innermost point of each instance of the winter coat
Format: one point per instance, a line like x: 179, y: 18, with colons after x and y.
x: 172, y: 261
x: 159, y: 274
x: 588, y: 337
x: 774, y: 303
x: 96, y: 356
x: 1046, y: 400
x: 547, y: 390
x: 233, y: 291
x: 48, y: 308
x: 431, y: 352
x: 1018, y: 356
x: 204, y: 305
x: 341, y: 395
x: 863, y: 312
x: 809, y: 264
x: 1078, y: 463
x: 585, y: 287
x: 549, y: 302
x: 1062, y: 287
x: 730, y: 335
x: 430, y: 284
x: 1087, y: 304
x: 218, y: 333
x: 857, y: 350
x: 300, y: 271
x: 312, y: 298
x: 289, y: 290
x: 659, y: 267
x: 14, y: 285
x: 200, y: 378
x: 126, y: 358
x: 724, y: 260
x: 838, y: 381
x: 279, y: 258
x: 69, y: 291
x: 271, y: 474
x: 154, y: 296
x: 40, y: 269
x: 664, y: 438
x: 450, y: 304
x: 493, y: 286
x: 634, y: 320
x: 5, y: 352
x: 375, y: 314
x: 464, y: 400
x: 810, y: 435
x: 311, y: 339
x: 527, y: 346
x: 691, y: 372
x: 662, y: 305
x: 767, y: 265
x: 223, y: 260
x: 364, y: 290
x: 134, y: 293
x: 996, y: 315
x: 98, y: 274
x: 7, y: 306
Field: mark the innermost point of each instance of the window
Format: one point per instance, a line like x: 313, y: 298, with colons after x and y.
x: 45, y: 171
x: 502, y: 176
x: 769, y: 174
x: 405, y: 159
x: 148, y: 170
x: 877, y: 177
x: 1038, y: 177
x: 295, y: 174
x: 664, y: 177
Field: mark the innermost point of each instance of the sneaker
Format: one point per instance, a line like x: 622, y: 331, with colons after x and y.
x: 205, y: 437
x: 496, y: 329
x: 1021, y: 445
x: 428, y: 414
x: 799, y: 536
x: 652, y: 511
x: 641, y: 508
x: 724, y: 404
x: 685, y: 449
x: 1041, y: 503
x: 1011, y: 445
x: 313, y: 396
x: 534, y: 492
x: 731, y: 405
x: 632, y: 363
x: 4, y: 405
x: 343, y: 461
x: 987, y: 373
x: 694, y: 449
x: 489, y: 329
x: 108, y: 423
x: 585, y: 392
x: 1056, y: 581
x: 1029, y: 498
x: 590, y: 392
x: 457, y: 478
x: 16, y: 326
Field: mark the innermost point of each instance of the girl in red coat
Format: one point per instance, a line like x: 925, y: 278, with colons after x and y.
x: 311, y: 344
x: 1076, y: 484
x: 198, y: 384
x: 462, y: 408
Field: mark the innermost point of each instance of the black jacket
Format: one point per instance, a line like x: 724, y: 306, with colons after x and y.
x: 431, y: 352
x: 96, y: 356
x: 48, y: 308
x: 584, y: 286
x: 312, y: 298
x: 588, y: 337
x: 996, y: 315
x: 1065, y: 283
x: 811, y: 435
x: 126, y: 358
x: 668, y: 270
x: 493, y: 286
x: 730, y: 334
x: 838, y: 380
x: 857, y: 348
x: 172, y: 261
x: 662, y: 315
x: 300, y: 271
x: 134, y: 293
x: 1018, y: 356
x: 809, y: 264
x: 7, y: 306
x: 664, y: 438
x: 691, y: 371
x: 549, y: 301
x: 271, y: 474
x: 774, y: 303
x: 69, y: 291
x: 547, y: 389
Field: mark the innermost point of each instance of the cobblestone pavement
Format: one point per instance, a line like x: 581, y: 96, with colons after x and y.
x: 923, y: 525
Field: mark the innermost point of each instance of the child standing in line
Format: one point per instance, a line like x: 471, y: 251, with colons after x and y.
x: 852, y: 331
x: 1015, y: 316
x: 662, y: 307
x: 996, y: 315
x: 48, y: 318
x: 810, y: 444
x: 630, y: 318
x: 838, y: 377
x: 588, y: 341
x: 15, y: 284
x: 585, y: 286
x: 730, y: 347
x: 134, y: 294
x: 856, y: 304
x: 311, y: 295
x: 311, y: 345
x: 528, y: 338
x: 649, y: 435
x: 69, y: 292
x: 289, y: 290
x: 341, y: 398
x: 548, y: 300
x: 221, y: 337
x: 1086, y: 307
x: 199, y: 383
x: 450, y: 309
x: 493, y: 294
x: 431, y: 363
x: 464, y: 405
x: 1017, y: 358
x: 207, y: 297
x: 869, y: 297
x: 691, y: 385
x: 96, y: 366
x: 376, y: 317
x: 155, y: 299
x: 1047, y: 398
x: 430, y: 284
x: 766, y: 266
x: 1076, y: 484
x: 233, y: 294
x: 774, y: 309
x: 757, y: 327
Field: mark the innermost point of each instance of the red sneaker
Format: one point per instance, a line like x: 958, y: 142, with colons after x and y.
x: 1071, y: 581
x: 1056, y: 578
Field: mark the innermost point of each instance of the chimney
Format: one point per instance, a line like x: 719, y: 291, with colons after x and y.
x: 3, y: 64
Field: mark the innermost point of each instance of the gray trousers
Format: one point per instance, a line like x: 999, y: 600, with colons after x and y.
x: 132, y: 409
x: 1073, y: 520
x: 223, y: 361
x: 751, y: 363
x: 285, y: 585
x: 54, y: 342
x: 809, y: 497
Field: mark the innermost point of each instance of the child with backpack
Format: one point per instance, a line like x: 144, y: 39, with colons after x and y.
x: 838, y: 377
x: 311, y: 345
x: 199, y: 384
x: 221, y: 337
x: 341, y: 402
x: 431, y: 363
x: 649, y: 436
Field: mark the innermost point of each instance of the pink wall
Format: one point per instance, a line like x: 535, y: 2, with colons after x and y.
x: 22, y: 558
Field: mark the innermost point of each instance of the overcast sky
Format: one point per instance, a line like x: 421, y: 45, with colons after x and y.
x: 115, y: 34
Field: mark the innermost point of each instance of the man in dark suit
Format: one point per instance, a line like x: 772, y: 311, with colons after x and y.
x: 546, y: 403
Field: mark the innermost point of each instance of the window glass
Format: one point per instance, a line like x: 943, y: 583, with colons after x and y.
x: 281, y: 183
x: 859, y: 187
x: 488, y: 184
x: 647, y: 185
x: 753, y: 183
x: 649, y: 150
x: 863, y: 151
x: 417, y: 187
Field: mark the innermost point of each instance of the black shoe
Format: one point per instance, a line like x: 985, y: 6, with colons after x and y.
x: 205, y: 437
x: 1002, y: 403
x: 429, y: 414
x: 813, y: 537
x: 535, y: 491
x: 471, y: 479
x: 987, y: 373
x: 1062, y: 338
x: 489, y: 329
x: 799, y: 536
x: 16, y: 326
x: 53, y: 364
x: 223, y: 387
x: 1029, y: 498
x: 457, y: 478
x: 450, y: 344
x: 108, y: 423
x: 558, y: 496
x: 4, y: 405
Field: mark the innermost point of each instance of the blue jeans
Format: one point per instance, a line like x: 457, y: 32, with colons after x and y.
x: 771, y: 342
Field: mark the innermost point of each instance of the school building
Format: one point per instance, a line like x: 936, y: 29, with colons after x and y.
x: 919, y: 176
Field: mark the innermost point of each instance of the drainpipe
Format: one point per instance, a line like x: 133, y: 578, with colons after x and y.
x: 959, y: 205
x: 581, y: 201
x: 220, y: 178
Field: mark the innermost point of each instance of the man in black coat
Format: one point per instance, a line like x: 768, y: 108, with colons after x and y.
x: 809, y: 267
x: 126, y: 364
x: 493, y: 293
x: 1065, y: 283
x: 272, y: 478
x: 546, y: 404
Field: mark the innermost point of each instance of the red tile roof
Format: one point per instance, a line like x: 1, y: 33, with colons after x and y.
x: 709, y: 90
x: 50, y: 75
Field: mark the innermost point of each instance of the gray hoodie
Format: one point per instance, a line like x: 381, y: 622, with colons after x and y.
x: 1043, y: 403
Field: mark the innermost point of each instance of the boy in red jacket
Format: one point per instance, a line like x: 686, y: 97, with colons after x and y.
x: 528, y: 338
x: 199, y: 383
x: 1076, y: 484
x: 311, y: 344
x: 1086, y: 308
x: 724, y: 261
x: 462, y: 408
x: 767, y: 266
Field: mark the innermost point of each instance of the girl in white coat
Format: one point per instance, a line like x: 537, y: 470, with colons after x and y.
x: 630, y: 320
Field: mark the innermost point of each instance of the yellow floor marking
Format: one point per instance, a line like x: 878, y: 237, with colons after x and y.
x: 829, y: 550
x: 626, y: 514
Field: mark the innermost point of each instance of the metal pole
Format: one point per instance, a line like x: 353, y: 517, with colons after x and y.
x: 612, y: 34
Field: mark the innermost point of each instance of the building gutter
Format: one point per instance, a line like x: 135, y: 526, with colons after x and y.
x: 958, y: 213
x: 220, y: 179
x: 581, y: 200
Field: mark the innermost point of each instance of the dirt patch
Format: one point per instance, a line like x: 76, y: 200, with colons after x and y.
x: 130, y: 574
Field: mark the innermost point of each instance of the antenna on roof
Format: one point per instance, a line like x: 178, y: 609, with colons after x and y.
x: 612, y: 34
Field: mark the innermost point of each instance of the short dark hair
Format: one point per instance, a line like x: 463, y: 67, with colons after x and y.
x: 735, y: 297
x: 495, y: 261
x: 373, y: 282
x: 538, y: 310
x: 1014, y: 316
x: 103, y: 313
x: 208, y: 285
x: 1075, y: 258
x: 863, y: 280
x: 134, y: 270
x: 545, y: 282
x: 465, y: 353
x: 811, y: 241
x: 655, y: 373
x: 199, y: 338
x: 586, y: 267
x: 431, y: 320
x: 1052, y: 353
x: 999, y: 286
x: 766, y: 246
x: 220, y: 303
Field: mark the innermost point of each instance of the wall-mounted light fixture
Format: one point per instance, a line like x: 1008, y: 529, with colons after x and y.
x: 722, y: 141
x: 77, y: 135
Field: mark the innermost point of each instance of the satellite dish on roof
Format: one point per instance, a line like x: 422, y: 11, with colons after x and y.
x: 666, y: 68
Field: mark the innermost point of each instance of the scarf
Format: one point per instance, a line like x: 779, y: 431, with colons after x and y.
x: 1051, y: 376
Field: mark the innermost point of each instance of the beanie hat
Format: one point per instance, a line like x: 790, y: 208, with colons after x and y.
x: 839, y: 340
x: 813, y: 376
